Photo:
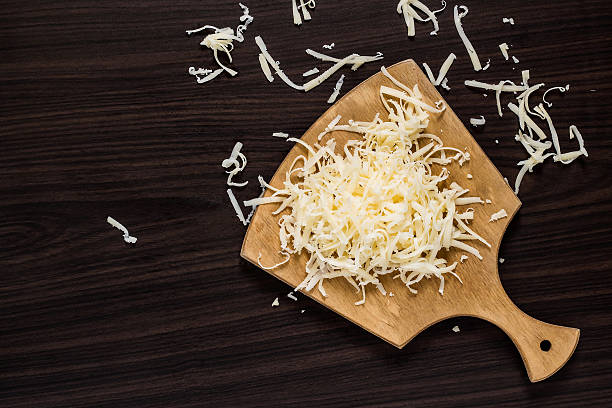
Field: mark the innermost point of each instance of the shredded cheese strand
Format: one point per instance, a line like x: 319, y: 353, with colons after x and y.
x: 126, y: 235
x: 466, y: 42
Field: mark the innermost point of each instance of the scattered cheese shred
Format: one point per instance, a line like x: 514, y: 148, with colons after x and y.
x: 463, y: 258
x: 378, y: 208
x: 444, y: 84
x: 126, y: 235
x: 498, y: 215
x: 478, y: 121
x: 407, y: 9
x: 456, y: 329
x: 238, y: 167
x: 501, y: 260
x: 265, y: 68
x: 443, y: 70
x: 310, y: 72
x: 303, y: 7
x: 280, y: 134
x: 291, y: 296
x: 516, y: 60
x: 508, y: 20
x: 337, y: 88
x: 561, y: 89
x: 487, y: 65
x: 221, y: 40
x: 469, y: 176
x: 355, y: 60
x: 236, y: 206
x: 329, y: 46
x: 276, y: 303
x: 466, y: 42
x: 504, y: 50
x: 488, y: 201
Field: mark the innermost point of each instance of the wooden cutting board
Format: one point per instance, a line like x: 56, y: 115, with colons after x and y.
x: 399, y: 318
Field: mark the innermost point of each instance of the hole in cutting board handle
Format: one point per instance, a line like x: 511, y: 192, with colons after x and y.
x: 545, y: 345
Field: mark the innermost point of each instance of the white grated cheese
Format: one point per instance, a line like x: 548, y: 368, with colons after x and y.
x: 337, y: 88
x: 466, y: 42
x: 516, y: 60
x: 126, y: 235
x: 463, y: 258
x: 303, y: 7
x: 378, y: 208
x: 498, y: 215
x: 478, y: 121
x: 275, y: 303
x: 487, y: 65
x: 567, y: 158
x: 291, y: 296
x: 265, y: 68
x: 508, y: 20
x: 504, y: 50
x: 310, y: 72
x: 391, y: 294
x: 280, y: 134
x: 236, y: 206
x: 456, y: 329
x: 233, y: 161
x: 274, y: 65
x: 496, y: 141
x: 444, y: 84
x: 561, y: 89
x: 488, y: 201
x: 442, y: 73
x: 501, y: 260
x: 407, y: 9
x: 222, y: 40
x: 469, y: 176
x: 329, y: 46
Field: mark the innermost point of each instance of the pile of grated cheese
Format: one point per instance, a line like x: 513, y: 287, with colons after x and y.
x: 382, y: 207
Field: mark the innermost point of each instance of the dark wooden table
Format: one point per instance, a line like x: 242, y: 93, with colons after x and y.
x: 98, y: 117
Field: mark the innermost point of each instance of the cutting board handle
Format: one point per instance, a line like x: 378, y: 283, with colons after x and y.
x: 544, y: 347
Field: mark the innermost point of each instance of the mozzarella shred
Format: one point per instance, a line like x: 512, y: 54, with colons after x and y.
x: 408, y: 9
x: 221, y: 40
x: 443, y: 70
x: 310, y: 72
x: 561, y: 89
x: 355, y: 60
x: 379, y: 207
x: 336, y: 92
x: 303, y: 8
x: 498, y: 215
x: 126, y: 235
x: 459, y: 13
x: 504, y: 50
x: 265, y: 68
x: 238, y: 165
x: 236, y: 206
x: 478, y: 121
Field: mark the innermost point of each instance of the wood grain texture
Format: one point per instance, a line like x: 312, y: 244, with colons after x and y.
x: 98, y: 117
x: 400, y: 318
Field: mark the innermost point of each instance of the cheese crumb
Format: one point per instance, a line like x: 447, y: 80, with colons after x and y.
x: 291, y: 296
x: 463, y: 258
x: 280, y: 134
x: 456, y: 329
x: 516, y: 60
x: 498, y: 215
x: 470, y: 176
x: 508, y: 20
x: 329, y: 46
x: 275, y: 303
x: 496, y: 141
x: 477, y: 121
x: 337, y: 88
x: 310, y: 72
x: 501, y: 260
x: 391, y: 294
x: 488, y: 201
x: 504, y: 50
x: 126, y: 235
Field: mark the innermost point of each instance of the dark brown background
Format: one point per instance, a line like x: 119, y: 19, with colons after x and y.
x: 99, y: 117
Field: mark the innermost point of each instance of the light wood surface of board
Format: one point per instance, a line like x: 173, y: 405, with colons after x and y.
x: 399, y: 318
